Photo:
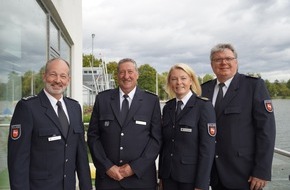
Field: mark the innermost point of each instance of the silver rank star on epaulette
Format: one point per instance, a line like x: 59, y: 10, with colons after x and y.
x: 29, y: 97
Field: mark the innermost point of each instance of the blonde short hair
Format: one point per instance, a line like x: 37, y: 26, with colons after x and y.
x: 195, y: 87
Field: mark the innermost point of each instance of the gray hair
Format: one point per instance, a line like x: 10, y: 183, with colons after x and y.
x: 53, y: 59
x: 127, y: 60
x: 222, y: 47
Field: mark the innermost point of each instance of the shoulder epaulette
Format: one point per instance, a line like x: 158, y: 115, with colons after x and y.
x: 105, y: 91
x: 203, y: 98
x: 71, y: 99
x: 173, y: 99
x: 253, y: 76
x: 29, y: 97
x: 150, y: 92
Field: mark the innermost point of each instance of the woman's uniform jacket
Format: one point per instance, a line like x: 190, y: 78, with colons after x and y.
x: 188, y: 142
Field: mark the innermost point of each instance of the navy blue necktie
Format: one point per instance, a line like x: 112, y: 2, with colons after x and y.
x: 124, y: 109
x: 178, y: 107
x: 62, y: 118
x: 219, y: 97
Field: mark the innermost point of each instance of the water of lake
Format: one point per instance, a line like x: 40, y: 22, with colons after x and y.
x: 282, y: 117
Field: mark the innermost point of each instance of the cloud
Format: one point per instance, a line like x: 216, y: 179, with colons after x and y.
x: 164, y: 32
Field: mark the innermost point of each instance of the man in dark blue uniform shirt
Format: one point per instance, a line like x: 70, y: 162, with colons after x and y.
x: 245, y: 125
x: 43, y: 154
x: 124, y: 148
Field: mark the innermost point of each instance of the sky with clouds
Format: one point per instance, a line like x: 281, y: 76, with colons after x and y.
x: 165, y: 32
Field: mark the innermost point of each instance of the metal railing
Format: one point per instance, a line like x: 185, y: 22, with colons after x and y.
x: 282, y: 152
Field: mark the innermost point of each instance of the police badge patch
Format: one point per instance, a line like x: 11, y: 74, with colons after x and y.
x: 15, y: 132
x: 107, y: 123
x: 211, y: 129
x: 268, y: 105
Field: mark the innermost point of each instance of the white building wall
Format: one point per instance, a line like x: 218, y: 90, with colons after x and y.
x: 70, y: 12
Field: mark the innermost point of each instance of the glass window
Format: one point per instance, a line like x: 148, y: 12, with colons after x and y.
x: 23, y: 52
x: 64, y: 49
x: 53, y: 39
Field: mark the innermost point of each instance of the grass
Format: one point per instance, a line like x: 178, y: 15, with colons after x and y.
x: 4, y: 180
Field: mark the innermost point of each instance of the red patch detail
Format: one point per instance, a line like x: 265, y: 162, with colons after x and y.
x: 211, y: 128
x: 15, y: 132
x: 268, y: 105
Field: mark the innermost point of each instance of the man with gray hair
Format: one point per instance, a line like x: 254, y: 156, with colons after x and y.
x: 46, y: 145
x: 124, y: 134
x: 245, y: 124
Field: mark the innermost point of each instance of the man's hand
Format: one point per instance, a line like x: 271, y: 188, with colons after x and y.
x: 256, y: 183
x: 126, y: 170
x: 114, y: 173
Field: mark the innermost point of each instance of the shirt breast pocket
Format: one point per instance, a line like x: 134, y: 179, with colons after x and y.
x: 106, y: 120
x: 186, y: 126
x: 233, y: 110
x: 78, y: 130
x: 140, y: 120
x: 48, y: 132
x: 49, y: 135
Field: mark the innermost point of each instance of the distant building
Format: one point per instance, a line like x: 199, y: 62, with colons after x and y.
x: 95, y: 80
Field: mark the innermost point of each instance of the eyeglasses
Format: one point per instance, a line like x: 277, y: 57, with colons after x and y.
x: 220, y: 60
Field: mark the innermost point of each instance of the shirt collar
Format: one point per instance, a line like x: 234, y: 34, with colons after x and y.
x: 52, y: 99
x: 185, y: 98
x: 227, y: 82
x: 131, y: 94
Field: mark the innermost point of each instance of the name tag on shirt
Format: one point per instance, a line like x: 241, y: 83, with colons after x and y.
x: 54, y: 138
x: 141, y: 122
x: 186, y: 130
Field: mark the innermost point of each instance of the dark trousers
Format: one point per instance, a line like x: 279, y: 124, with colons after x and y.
x: 170, y: 184
x: 216, y: 183
x: 220, y: 186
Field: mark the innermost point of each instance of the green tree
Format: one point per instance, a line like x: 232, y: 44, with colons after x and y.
x: 30, y: 79
x: 38, y: 83
x: 161, y: 86
x: 284, y: 91
x: 2, y: 91
x: 199, y: 79
x: 147, y: 78
x: 271, y: 88
x: 207, y: 77
x: 27, y: 83
x: 288, y: 84
x: 87, y: 60
x: 112, y: 69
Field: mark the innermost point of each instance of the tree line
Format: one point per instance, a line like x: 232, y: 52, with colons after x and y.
x: 30, y: 82
x: 148, y: 77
